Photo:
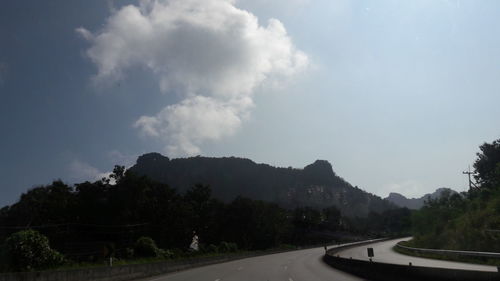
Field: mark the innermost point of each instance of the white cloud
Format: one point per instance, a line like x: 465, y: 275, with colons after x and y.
x: 118, y: 158
x: 209, y: 51
x: 194, y: 120
x: 85, y: 33
x: 80, y: 171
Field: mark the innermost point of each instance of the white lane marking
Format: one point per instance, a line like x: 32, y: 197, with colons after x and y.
x: 217, y: 279
x: 240, y: 268
x: 290, y: 279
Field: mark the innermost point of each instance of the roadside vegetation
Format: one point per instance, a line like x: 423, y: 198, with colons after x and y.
x: 469, y: 221
x: 134, y: 219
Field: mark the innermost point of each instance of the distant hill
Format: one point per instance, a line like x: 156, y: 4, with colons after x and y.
x: 415, y: 203
x: 316, y: 185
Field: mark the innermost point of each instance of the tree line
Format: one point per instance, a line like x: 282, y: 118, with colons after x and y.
x: 91, y: 220
x: 466, y: 221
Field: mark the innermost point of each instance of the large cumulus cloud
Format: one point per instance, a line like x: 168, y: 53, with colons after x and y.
x: 209, y: 51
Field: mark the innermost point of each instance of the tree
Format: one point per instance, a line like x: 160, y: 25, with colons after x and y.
x: 331, y: 218
x: 92, y: 202
x: 118, y: 173
x: 204, y: 213
x: 49, y: 204
x: 198, y: 198
x: 487, y: 165
x: 306, y: 221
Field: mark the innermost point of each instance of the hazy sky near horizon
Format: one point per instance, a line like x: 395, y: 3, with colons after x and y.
x: 397, y: 95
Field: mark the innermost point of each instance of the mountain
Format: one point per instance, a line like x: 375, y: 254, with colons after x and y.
x: 315, y: 186
x: 415, y: 203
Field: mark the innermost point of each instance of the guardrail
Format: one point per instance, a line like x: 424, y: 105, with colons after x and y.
x: 379, y: 271
x: 450, y: 252
x: 340, y: 247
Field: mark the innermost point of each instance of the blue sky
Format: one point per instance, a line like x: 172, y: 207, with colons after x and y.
x: 397, y: 95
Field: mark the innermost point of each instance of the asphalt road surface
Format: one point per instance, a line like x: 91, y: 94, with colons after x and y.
x: 302, y: 265
x: 383, y: 253
x: 305, y: 265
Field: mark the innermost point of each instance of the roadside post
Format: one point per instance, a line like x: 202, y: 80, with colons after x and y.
x: 370, y: 253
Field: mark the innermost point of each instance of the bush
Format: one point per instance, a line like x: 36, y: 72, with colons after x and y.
x: 129, y: 253
x: 166, y: 254
x: 125, y: 253
x: 212, y: 248
x: 227, y: 247
x: 176, y: 252
x: 29, y: 250
x: 146, y: 247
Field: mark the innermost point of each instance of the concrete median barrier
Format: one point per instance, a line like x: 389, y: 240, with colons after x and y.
x: 377, y: 271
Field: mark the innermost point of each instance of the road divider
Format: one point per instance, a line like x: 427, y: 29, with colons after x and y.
x: 378, y: 271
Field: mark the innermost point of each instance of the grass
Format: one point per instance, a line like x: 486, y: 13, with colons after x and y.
x: 119, y: 262
x: 73, y: 265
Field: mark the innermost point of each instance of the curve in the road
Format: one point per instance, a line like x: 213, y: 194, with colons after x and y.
x: 384, y: 253
x: 306, y: 265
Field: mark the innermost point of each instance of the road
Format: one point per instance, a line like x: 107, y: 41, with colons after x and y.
x: 384, y: 253
x: 305, y: 265
x: 302, y: 265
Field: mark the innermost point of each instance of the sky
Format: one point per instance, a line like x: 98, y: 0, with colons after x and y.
x: 396, y: 95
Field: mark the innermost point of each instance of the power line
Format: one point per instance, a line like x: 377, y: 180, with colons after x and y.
x: 471, y: 183
x: 75, y: 224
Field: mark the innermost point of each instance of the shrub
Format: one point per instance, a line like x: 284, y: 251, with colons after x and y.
x: 125, y: 253
x: 176, y: 252
x: 212, y: 248
x: 129, y: 253
x: 226, y: 247
x: 29, y: 250
x: 166, y: 254
x: 146, y: 247
x: 233, y: 247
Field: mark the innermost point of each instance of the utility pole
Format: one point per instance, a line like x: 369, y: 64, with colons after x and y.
x: 471, y: 183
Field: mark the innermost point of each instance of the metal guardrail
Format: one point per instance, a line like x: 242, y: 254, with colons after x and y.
x: 335, y: 248
x: 451, y: 252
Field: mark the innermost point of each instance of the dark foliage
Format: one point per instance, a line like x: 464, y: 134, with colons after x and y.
x: 93, y: 221
x: 487, y: 165
x: 468, y: 221
x: 315, y: 186
x: 29, y: 250
x: 146, y: 247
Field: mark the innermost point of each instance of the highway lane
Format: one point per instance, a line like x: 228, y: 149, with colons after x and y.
x: 384, y: 253
x: 301, y: 265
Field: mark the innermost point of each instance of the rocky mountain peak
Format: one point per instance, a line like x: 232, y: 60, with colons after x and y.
x: 315, y: 186
x: 320, y: 172
x: 151, y: 158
